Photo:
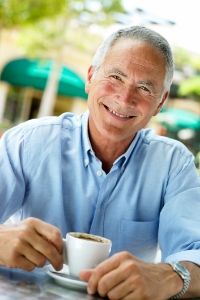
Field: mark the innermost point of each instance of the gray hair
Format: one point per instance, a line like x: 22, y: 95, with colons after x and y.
x: 142, y: 34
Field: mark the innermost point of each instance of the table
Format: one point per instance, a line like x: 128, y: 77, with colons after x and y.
x: 16, y: 284
x: 20, y: 285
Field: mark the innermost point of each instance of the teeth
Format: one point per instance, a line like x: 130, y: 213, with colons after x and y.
x: 118, y: 115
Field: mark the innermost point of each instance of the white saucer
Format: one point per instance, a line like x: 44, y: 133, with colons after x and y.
x: 63, y: 278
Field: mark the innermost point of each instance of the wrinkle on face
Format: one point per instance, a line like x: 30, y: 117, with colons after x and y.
x: 148, y: 63
x: 139, y: 66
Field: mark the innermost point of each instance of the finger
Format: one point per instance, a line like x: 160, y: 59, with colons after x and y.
x: 131, y: 296
x: 47, y: 249
x: 114, y: 280
x: 25, y: 264
x: 111, y: 272
x: 33, y: 256
x: 140, y: 292
x: 98, y: 273
x: 85, y: 275
x: 48, y: 231
x: 121, y: 290
x: 41, y: 243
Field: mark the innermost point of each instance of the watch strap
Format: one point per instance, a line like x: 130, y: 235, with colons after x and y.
x: 184, y: 273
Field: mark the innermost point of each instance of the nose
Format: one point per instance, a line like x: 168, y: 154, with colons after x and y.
x: 127, y: 95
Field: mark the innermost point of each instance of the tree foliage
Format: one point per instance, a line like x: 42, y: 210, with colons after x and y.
x: 48, y: 22
x: 190, y: 88
x: 100, y: 10
x: 183, y: 58
x: 185, y: 61
x: 70, y: 27
x: 18, y: 13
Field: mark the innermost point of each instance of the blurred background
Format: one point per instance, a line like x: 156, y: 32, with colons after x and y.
x: 46, y: 47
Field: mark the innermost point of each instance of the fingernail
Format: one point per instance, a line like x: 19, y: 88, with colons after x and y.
x: 89, y: 290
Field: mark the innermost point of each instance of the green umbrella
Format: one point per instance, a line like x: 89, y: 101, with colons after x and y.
x: 34, y: 73
x: 175, y: 119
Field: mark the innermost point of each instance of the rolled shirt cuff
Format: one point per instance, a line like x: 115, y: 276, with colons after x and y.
x: 189, y: 255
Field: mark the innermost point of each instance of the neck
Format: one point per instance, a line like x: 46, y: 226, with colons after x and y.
x: 107, y: 153
x: 108, y: 150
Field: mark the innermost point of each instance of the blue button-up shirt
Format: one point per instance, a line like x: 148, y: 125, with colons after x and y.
x: 151, y: 195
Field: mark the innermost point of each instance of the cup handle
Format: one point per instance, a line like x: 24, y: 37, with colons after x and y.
x: 65, y: 256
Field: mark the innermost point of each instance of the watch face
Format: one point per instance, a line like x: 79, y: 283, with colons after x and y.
x: 181, y: 269
x: 184, y: 271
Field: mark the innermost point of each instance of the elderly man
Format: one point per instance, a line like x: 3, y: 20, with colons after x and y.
x: 103, y: 173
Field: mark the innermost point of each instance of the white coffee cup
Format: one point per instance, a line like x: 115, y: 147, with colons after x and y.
x: 84, y: 251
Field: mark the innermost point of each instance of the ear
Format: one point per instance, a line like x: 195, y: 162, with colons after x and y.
x: 89, y: 78
x: 164, y: 98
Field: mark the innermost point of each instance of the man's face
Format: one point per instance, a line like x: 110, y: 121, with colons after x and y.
x: 126, y: 91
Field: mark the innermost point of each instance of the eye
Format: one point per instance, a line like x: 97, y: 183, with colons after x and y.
x: 144, y: 88
x: 116, y: 77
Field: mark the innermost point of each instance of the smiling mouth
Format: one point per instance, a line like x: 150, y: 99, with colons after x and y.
x: 122, y: 116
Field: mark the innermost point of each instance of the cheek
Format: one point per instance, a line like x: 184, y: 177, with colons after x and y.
x: 106, y: 88
x: 147, y: 107
x: 109, y: 88
x: 100, y: 91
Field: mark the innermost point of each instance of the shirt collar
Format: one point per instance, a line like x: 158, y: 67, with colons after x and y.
x: 85, y: 138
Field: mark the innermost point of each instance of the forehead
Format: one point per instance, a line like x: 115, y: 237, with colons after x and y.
x: 133, y: 53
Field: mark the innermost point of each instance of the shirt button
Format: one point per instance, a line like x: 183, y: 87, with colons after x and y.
x: 86, y: 162
x: 99, y: 172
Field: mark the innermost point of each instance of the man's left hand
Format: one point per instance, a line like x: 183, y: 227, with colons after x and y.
x: 123, y: 276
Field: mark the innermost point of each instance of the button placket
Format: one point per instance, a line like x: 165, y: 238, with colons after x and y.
x: 106, y: 188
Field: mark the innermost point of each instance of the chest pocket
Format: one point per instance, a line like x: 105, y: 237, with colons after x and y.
x: 139, y: 238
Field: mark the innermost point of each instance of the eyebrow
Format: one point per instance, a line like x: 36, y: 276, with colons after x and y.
x: 118, y: 71
x: 148, y: 83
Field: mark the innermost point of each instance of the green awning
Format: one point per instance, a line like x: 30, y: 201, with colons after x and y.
x: 34, y: 73
x: 175, y: 119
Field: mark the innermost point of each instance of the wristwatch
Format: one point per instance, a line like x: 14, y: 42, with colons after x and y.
x: 184, y: 274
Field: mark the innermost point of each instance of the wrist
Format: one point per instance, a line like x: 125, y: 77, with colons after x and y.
x: 171, y: 283
x: 184, y: 277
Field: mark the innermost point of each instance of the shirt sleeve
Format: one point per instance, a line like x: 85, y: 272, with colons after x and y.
x: 12, y: 181
x: 179, y: 227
